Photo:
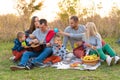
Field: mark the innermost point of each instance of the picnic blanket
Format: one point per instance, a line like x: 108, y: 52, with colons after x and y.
x: 67, y: 64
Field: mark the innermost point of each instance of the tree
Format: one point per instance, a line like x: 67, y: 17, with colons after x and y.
x: 67, y: 8
x: 26, y: 8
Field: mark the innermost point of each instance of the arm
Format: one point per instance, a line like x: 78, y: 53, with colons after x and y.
x: 97, y: 43
x: 65, y: 38
x: 72, y: 35
x: 68, y: 33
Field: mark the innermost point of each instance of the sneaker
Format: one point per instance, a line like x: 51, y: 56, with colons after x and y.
x: 18, y: 67
x: 55, y: 65
x: 46, y: 65
x: 29, y: 66
x: 109, y: 60
x: 117, y: 59
x: 12, y: 58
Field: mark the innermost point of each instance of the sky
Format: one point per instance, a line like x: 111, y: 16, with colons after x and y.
x: 50, y: 7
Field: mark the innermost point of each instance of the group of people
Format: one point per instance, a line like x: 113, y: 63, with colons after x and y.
x: 55, y: 49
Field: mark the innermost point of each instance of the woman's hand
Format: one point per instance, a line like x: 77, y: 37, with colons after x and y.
x: 94, y: 47
x: 87, y: 45
x: 90, y: 46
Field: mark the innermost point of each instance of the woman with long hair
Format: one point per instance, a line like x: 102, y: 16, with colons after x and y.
x: 34, y: 25
x: 94, y: 45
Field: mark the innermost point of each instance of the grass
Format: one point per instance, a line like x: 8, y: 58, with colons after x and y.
x: 102, y: 73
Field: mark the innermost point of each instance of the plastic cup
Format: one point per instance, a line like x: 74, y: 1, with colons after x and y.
x: 55, y: 30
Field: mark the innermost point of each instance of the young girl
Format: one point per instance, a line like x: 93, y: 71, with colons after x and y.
x: 94, y: 45
x: 19, y: 44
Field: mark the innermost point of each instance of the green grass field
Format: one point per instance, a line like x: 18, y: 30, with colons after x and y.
x: 102, y: 73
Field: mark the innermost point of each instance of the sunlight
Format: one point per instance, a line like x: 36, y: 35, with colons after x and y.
x: 50, y: 8
x: 7, y: 7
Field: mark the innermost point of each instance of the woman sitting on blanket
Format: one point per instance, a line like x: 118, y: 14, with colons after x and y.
x: 94, y: 45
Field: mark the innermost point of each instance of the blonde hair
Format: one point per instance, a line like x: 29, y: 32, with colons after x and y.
x: 91, y: 30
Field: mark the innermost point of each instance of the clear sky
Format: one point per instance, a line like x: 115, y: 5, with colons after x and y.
x: 50, y: 7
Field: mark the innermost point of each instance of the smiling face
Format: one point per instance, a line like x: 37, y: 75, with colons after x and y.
x: 43, y: 24
x: 21, y: 36
x: 58, y: 41
x: 73, y: 23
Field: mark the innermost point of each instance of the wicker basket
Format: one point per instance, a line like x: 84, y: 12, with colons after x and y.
x: 91, y: 62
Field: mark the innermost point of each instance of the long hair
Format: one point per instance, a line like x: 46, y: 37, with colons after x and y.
x: 32, y: 25
x: 91, y: 30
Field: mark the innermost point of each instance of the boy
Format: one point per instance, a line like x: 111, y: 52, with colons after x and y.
x: 19, y: 45
x: 59, y: 51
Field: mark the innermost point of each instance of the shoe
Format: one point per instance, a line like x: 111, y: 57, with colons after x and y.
x: 55, y: 65
x: 18, y: 67
x: 12, y: 58
x: 117, y: 59
x: 29, y: 66
x: 109, y: 60
x: 48, y: 64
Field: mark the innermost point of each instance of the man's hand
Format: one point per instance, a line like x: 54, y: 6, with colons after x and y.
x: 26, y: 46
x: 48, y: 44
x: 34, y: 41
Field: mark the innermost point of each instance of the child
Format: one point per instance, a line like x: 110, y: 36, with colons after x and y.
x: 59, y: 52
x: 19, y: 45
x: 30, y: 38
x: 80, y: 49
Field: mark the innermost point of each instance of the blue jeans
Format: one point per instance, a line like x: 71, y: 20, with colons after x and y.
x: 39, y: 56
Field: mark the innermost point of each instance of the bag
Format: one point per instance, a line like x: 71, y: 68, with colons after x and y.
x: 36, y: 48
x: 79, y: 52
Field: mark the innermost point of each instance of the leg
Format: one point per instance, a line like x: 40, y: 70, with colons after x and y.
x: 56, y: 59
x: 100, y: 53
x: 43, y: 55
x: 109, y: 50
x: 26, y: 56
x: 108, y: 59
x: 48, y: 59
x: 18, y: 55
x: 14, y: 52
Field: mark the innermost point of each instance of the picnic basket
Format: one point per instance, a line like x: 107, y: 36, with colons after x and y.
x: 91, y: 62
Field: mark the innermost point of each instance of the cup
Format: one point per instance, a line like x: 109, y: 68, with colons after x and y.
x: 55, y: 30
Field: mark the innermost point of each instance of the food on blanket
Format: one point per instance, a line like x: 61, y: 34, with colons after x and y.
x: 76, y: 64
